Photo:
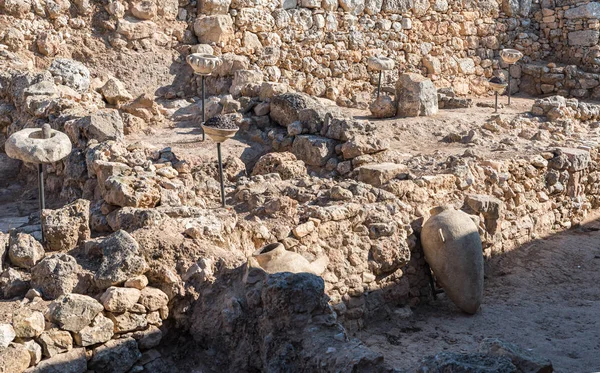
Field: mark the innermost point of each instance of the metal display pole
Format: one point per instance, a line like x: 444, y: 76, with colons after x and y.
x: 203, y: 106
x: 221, y: 174
x: 41, y: 195
x: 509, y: 85
x: 496, y: 104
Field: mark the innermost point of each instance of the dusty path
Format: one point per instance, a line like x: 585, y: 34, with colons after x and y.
x: 544, y: 296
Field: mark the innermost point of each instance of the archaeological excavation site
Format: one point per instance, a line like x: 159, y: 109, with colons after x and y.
x: 340, y: 186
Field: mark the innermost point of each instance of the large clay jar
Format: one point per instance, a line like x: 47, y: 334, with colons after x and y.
x: 275, y: 258
x: 452, y: 247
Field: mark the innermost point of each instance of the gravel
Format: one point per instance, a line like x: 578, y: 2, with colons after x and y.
x: 221, y: 122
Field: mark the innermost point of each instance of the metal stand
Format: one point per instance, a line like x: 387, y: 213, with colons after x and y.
x: 434, y: 290
x: 496, y: 104
x: 41, y: 195
x: 379, y: 83
x: 509, y: 85
x: 203, y: 106
x: 221, y: 174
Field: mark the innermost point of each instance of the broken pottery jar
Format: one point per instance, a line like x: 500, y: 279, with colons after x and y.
x: 452, y: 247
x: 275, y: 258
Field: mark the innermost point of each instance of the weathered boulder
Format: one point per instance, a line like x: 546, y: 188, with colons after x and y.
x: 396, y: 6
x: 379, y: 174
x: 214, y: 29
x: 24, y: 251
x: 466, y: 363
x: 117, y: 299
x: 153, y: 299
x: 384, y: 106
x: 121, y: 260
x: 344, y: 129
x: 212, y: 7
x: 416, y: 95
x: 48, y: 43
x: 7, y: 335
x: 285, y: 164
x: 35, y: 351
x: 99, y: 331
x: 71, y: 73
x: 453, y: 249
x: 584, y: 38
x: 16, y: 8
x: 285, y: 108
x: 55, y: 275
x: 360, y: 145
x: 14, y: 358
x: 244, y: 82
x: 586, y: 10
x: 73, y: 312
x: 13, y: 283
x: 355, y: 7
x: 131, y: 191
x: 135, y: 29
x: 114, y: 91
x: 524, y: 360
x: 137, y: 282
x: 105, y: 124
x: 55, y: 342
x: 73, y: 361
x: 115, y: 356
x: 128, y: 321
x: 68, y: 226
x: 144, y: 9
x: 28, y: 323
x: 313, y: 150
x: 514, y: 8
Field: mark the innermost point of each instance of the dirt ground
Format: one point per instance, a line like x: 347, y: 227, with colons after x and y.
x: 543, y: 297
x: 414, y: 141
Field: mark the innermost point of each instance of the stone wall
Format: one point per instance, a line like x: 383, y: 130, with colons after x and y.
x: 568, y: 81
x: 570, y: 31
x: 321, y: 47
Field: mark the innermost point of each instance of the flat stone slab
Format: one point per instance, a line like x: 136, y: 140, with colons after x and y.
x: 28, y: 145
x: 379, y: 174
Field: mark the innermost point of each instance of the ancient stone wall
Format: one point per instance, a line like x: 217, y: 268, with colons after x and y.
x: 569, y: 31
x: 321, y: 47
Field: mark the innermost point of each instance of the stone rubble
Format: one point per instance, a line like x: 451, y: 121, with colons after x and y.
x: 329, y: 189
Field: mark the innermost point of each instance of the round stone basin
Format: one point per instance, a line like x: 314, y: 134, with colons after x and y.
x: 510, y: 56
x: 29, y: 145
x: 498, y: 87
x: 381, y: 63
x: 203, y: 64
x: 219, y: 134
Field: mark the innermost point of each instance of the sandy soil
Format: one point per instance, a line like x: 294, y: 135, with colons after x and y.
x: 543, y: 296
x: 414, y: 141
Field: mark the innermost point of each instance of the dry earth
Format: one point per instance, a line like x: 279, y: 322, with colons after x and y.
x: 543, y: 296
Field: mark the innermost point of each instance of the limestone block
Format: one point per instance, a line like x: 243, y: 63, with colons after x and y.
x: 416, y: 95
x: 379, y: 174
x: 214, y: 29
x: 313, y: 150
